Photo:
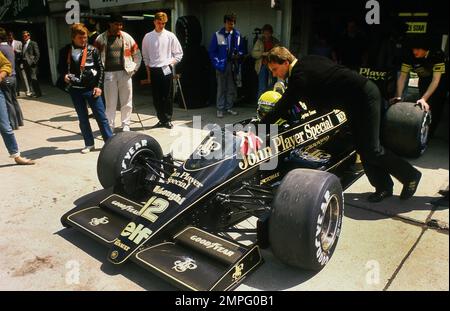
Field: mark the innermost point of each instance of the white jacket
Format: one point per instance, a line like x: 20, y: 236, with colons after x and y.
x: 131, y: 53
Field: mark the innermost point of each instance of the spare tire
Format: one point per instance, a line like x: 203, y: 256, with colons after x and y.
x: 188, y: 31
x: 405, y: 129
x: 306, y: 218
x: 194, y: 69
x: 121, y: 152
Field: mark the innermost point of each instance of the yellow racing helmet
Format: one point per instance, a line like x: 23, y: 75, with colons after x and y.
x: 267, y: 103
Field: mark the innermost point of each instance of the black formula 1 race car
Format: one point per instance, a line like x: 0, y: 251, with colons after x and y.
x: 180, y: 220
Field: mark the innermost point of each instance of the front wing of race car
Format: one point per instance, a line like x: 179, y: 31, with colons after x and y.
x: 198, y: 260
x: 192, y: 259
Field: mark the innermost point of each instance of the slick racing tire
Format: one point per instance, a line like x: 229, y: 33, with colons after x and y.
x: 306, y: 218
x: 405, y: 129
x: 122, y: 152
x: 188, y: 31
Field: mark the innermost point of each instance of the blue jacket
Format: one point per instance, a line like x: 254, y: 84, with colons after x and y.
x: 219, y: 46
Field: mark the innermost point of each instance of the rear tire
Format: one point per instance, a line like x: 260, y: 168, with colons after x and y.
x: 306, y: 218
x: 405, y: 129
x: 120, y: 152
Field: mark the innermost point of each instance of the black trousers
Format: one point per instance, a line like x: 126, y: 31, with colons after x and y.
x: 161, y: 85
x: 378, y: 162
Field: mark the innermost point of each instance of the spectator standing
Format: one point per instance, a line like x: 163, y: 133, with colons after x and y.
x: 82, y: 70
x: 430, y: 66
x: 122, y: 58
x: 161, y: 51
x: 30, y: 61
x: 8, y: 84
x: 17, y: 46
x: 5, y: 127
x: 260, y: 50
x: 225, y: 51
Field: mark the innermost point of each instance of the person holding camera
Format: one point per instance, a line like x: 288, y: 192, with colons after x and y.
x: 83, y: 75
x: 259, y: 53
x: 225, y: 51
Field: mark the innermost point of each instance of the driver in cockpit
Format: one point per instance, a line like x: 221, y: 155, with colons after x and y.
x: 268, y: 102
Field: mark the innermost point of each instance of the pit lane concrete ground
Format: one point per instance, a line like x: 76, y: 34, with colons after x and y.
x: 393, y: 245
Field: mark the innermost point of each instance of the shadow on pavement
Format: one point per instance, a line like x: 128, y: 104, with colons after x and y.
x: 273, y: 275
x: 9, y: 165
x: 435, y: 157
x: 73, y: 137
x: 392, y: 206
x: 42, y: 152
x: 66, y: 138
x: 65, y: 118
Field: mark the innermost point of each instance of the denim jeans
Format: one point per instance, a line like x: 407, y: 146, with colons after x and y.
x: 9, y: 91
x: 6, y: 130
x: 79, y: 99
x: 226, y: 89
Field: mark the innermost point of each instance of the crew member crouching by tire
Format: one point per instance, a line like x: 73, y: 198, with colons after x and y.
x: 319, y: 81
x: 82, y: 70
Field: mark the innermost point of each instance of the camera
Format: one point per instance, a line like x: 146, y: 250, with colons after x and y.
x: 73, y: 78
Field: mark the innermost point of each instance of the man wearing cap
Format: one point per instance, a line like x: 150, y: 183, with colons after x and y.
x: 121, y: 57
x: 430, y: 67
x: 161, y: 51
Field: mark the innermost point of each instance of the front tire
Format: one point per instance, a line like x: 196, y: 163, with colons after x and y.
x: 123, y: 151
x: 306, y: 218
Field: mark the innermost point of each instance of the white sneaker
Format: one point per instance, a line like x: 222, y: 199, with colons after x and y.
x: 219, y: 113
x: 87, y: 149
x: 232, y: 112
x: 126, y: 128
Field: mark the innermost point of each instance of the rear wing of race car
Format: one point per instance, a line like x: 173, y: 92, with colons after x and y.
x: 192, y: 260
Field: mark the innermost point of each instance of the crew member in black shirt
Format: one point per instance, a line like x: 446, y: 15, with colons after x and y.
x: 430, y: 67
x: 319, y: 82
